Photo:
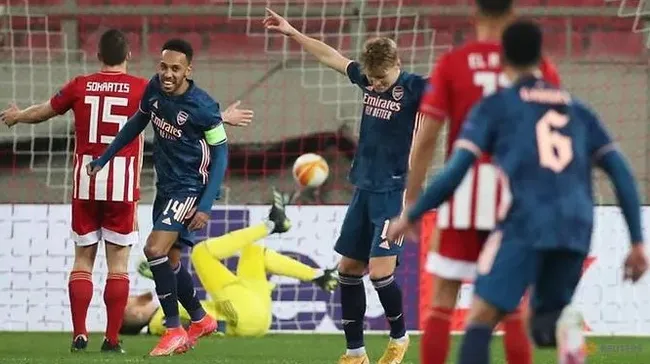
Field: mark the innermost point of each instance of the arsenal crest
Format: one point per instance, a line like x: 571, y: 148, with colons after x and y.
x: 398, y: 93
x: 181, y: 118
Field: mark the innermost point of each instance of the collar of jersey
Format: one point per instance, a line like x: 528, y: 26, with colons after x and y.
x: 390, y: 89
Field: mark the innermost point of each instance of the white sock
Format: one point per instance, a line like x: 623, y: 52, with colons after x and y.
x: 400, y: 340
x: 356, y: 352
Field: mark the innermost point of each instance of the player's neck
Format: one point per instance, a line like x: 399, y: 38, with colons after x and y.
x: 114, y: 69
x: 490, y: 30
x: 183, y: 89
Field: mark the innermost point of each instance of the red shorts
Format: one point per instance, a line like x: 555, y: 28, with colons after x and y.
x: 114, y: 222
x: 458, y: 251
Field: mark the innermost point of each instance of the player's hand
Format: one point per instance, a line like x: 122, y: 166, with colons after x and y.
x: 92, y: 169
x: 9, y: 116
x: 276, y: 23
x: 199, y: 219
x: 401, y: 227
x: 237, y: 117
x: 636, y: 263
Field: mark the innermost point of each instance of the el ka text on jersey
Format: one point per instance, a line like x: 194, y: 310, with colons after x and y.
x: 378, y: 107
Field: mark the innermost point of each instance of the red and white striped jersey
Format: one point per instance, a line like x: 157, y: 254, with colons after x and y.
x: 460, y: 79
x: 102, y: 103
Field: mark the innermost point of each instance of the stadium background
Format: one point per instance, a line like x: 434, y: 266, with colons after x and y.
x: 599, y: 46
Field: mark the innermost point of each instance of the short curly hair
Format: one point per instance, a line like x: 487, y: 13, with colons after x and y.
x: 379, y: 54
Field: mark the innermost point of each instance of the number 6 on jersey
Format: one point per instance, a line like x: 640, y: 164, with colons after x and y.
x: 555, y: 149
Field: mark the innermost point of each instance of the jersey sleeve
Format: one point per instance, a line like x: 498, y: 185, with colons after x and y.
x: 600, y: 141
x: 145, y: 102
x: 63, y: 100
x: 435, y: 100
x: 550, y: 73
x: 211, y: 123
x: 478, y: 131
x: 355, y: 74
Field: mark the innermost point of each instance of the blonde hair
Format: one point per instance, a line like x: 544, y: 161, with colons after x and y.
x: 379, y: 54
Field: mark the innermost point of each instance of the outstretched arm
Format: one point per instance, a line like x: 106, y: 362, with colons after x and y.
x: 324, y: 53
x: 130, y: 131
x: 32, y: 115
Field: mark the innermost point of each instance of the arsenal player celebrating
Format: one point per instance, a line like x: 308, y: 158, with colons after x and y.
x: 459, y: 80
x: 103, y: 206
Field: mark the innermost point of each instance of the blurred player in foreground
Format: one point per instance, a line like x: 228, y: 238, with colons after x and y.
x: 391, y: 98
x: 104, y: 207
x: 544, y: 142
x: 240, y: 301
x: 459, y: 80
x: 190, y: 156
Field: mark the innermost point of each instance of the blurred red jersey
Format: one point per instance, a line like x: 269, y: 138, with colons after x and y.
x: 459, y: 80
x: 102, y: 103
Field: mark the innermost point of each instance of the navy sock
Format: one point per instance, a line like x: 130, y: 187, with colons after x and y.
x: 353, y: 309
x: 187, y: 293
x: 165, y: 280
x: 390, y: 296
x: 475, y: 348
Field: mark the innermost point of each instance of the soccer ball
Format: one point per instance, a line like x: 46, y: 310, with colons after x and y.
x: 310, y: 170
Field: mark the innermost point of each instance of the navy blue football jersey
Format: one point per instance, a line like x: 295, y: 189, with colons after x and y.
x: 387, y: 123
x: 544, y: 141
x: 181, y: 154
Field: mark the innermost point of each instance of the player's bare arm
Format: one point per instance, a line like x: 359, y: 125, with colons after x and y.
x: 136, y: 125
x: 324, y: 53
x: 422, y: 152
x: 235, y: 116
x: 32, y: 115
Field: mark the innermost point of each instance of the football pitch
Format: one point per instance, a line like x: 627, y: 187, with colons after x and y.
x: 53, y: 348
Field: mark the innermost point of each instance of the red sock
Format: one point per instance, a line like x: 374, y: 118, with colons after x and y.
x: 116, y: 293
x: 435, y: 340
x: 516, y: 342
x: 80, y: 290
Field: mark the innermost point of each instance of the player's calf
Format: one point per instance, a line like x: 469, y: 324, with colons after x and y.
x: 543, y: 327
x: 353, y: 309
x: 483, y: 317
x: 436, y: 338
x: 80, y: 290
x: 116, y: 294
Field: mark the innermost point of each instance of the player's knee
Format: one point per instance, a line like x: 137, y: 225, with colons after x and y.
x: 84, y: 258
x: 174, y: 256
x: 153, y: 250
x: 117, y: 258
x: 445, y: 293
x: 380, y: 267
x: 543, y: 329
x: 351, y: 266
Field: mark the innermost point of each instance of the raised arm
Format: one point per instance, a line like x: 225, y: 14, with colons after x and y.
x: 32, y: 115
x: 324, y: 53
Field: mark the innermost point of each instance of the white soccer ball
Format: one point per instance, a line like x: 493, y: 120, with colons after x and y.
x: 310, y: 170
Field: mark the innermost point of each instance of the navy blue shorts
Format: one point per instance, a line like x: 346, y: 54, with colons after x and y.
x: 366, y: 222
x: 507, y: 267
x: 170, y: 214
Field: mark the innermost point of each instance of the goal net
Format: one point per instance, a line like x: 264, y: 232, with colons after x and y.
x: 300, y: 106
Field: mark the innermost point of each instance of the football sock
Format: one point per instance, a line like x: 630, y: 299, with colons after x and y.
x: 516, y: 342
x: 353, y: 310
x: 283, y: 265
x: 390, y: 296
x: 116, y: 293
x: 165, y: 280
x: 187, y: 294
x: 475, y: 348
x: 435, y: 340
x: 227, y: 245
x: 80, y: 291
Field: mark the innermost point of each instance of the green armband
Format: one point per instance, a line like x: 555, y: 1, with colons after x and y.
x: 216, y: 136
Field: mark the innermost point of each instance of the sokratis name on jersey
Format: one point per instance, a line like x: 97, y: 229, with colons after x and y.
x: 120, y: 87
x: 165, y: 128
x: 378, y: 107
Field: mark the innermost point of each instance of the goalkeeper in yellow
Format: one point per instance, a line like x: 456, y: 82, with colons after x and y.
x: 241, y: 301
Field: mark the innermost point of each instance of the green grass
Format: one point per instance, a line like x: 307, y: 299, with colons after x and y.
x: 48, y: 348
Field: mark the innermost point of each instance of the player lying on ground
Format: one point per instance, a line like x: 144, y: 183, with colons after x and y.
x: 190, y: 156
x: 544, y: 142
x: 241, y: 301
x: 391, y: 97
x: 459, y: 80
x: 107, y: 211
